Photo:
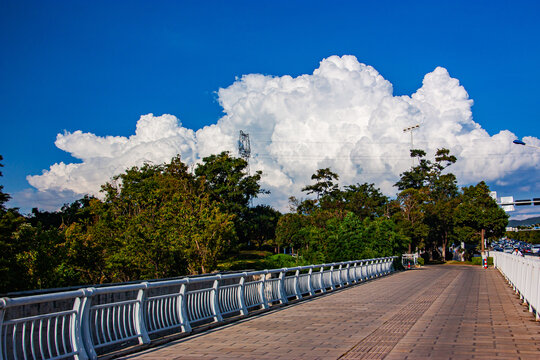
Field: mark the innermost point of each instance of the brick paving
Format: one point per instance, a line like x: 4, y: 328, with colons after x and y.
x: 437, y: 312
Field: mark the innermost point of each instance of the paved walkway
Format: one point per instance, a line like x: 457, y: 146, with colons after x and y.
x: 437, y: 312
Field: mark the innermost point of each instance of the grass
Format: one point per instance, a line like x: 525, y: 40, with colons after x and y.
x: 258, y: 260
x: 475, y: 261
x: 245, y: 260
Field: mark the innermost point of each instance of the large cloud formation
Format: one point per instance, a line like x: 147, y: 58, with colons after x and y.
x: 342, y: 116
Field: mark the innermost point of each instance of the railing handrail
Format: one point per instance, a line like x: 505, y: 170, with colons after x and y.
x: 140, y: 312
x: 523, y: 274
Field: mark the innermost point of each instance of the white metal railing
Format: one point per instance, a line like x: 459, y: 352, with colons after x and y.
x: 523, y: 274
x: 85, y: 323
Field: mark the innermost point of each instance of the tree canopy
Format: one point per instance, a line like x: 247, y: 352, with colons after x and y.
x: 158, y: 221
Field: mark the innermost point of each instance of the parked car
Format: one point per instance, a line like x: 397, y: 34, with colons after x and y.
x: 535, y: 249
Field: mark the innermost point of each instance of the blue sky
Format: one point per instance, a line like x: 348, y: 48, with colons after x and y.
x: 97, y: 66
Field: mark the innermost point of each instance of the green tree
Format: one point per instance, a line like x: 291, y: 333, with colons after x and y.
x: 229, y: 184
x: 288, y: 231
x: 365, y: 200
x: 156, y: 221
x: 4, y: 198
x: 12, y: 271
x: 324, y: 183
x: 40, y: 257
x: 261, y: 222
x: 439, y: 191
x: 411, y: 216
x: 418, y: 176
x: 228, y: 181
x: 478, y: 210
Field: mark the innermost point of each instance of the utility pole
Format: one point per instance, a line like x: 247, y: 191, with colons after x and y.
x: 410, y: 129
x: 483, y: 247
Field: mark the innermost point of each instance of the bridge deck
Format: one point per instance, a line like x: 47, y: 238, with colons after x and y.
x: 437, y: 312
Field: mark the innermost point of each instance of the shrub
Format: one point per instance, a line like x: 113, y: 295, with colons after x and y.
x: 421, y: 261
x: 281, y: 260
x: 478, y: 260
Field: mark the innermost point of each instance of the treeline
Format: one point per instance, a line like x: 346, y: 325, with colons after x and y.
x: 155, y: 221
x: 429, y: 214
x: 158, y: 221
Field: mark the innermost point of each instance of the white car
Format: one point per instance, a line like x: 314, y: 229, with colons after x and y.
x: 535, y: 249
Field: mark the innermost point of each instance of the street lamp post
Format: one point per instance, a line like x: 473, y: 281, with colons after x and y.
x: 410, y: 129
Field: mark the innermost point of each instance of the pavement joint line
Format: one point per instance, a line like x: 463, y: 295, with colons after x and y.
x: 410, y: 315
x: 234, y: 320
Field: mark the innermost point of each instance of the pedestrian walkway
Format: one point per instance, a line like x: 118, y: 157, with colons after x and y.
x: 436, y: 312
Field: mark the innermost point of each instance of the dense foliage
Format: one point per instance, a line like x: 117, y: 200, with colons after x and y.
x: 158, y: 221
x: 434, y: 213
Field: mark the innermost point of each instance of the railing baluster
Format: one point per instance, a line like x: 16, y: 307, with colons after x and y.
x: 32, y: 348
x: 40, y: 339
x: 25, y: 356
x: 63, y: 335
x: 14, y: 342
x: 49, y: 334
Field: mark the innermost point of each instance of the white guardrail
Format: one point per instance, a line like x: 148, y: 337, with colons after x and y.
x: 88, y: 322
x: 523, y: 274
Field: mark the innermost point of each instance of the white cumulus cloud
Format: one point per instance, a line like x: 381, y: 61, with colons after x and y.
x: 343, y: 116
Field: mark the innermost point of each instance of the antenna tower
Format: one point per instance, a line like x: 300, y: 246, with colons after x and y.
x: 244, y: 148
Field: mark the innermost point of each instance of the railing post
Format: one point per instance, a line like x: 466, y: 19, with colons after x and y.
x: 215, y: 300
x: 297, y: 285
x: 140, y: 325
x: 321, y: 280
x: 262, y: 290
x: 366, y: 270
x: 241, y: 302
x: 282, y: 292
x: 367, y: 267
x: 310, y: 287
x: 347, y: 274
x: 75, y: 328
x: 85, y: 322
x: 182, y: 308
x: 2, y: 313
x: 332, y: 285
